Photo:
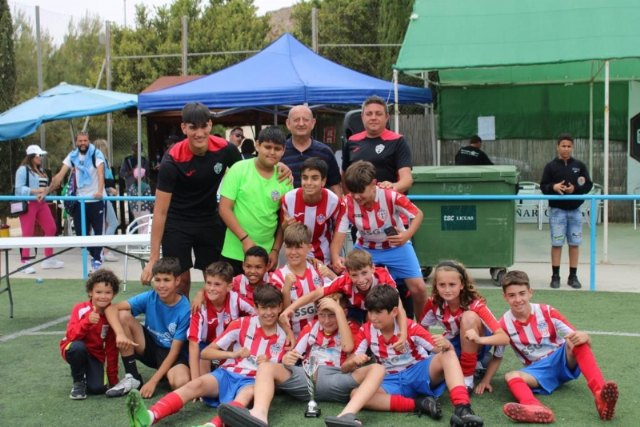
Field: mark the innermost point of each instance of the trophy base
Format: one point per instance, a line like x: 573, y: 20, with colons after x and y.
x: 312, y: 414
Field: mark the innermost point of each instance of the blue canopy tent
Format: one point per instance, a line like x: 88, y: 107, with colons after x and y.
x: 285, y: 73
x: 61, y: 102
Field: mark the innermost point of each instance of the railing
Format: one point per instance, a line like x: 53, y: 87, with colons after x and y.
x: 83, y: 222
x: 592, y: 198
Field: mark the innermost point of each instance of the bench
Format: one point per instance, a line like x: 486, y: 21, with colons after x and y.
x: 65, y: 243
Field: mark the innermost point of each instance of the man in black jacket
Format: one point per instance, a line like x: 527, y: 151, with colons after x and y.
x: 565, y: 175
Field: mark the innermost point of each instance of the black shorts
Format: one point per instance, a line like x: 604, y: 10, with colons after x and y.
x: 154, y: 355
x: 204, y: 239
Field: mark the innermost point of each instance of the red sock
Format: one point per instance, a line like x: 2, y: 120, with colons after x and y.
x: 522, y: 392
x: 168, y: 405
x: 401, y: 404
x: 589, y: 367
x: 459, y: 395
x: 468, y: 363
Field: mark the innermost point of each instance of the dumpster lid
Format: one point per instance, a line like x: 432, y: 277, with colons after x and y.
x: 505, y: 173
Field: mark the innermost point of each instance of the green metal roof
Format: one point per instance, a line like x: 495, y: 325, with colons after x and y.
x: 522, y: 41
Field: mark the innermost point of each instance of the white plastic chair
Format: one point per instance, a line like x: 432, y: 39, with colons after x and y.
x: 140, y: 225
x: 530, y: 188
x: 636, y: 208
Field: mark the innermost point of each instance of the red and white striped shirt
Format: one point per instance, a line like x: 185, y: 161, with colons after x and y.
x: 387, y: 207
x: 539, y: 336
x: 320, y: 218
x: 242, y: 286
x: 303, y: 285
x: 344, y: 285
x: 418, y: 346
x: 208, y: 323
x: 246, y: 332
x: 433, y: 315
x: 327, y: 348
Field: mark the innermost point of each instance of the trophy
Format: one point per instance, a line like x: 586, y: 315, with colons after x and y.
x: 310, y: 367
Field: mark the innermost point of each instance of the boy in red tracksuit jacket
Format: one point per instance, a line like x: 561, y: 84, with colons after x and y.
x: 89, y: 341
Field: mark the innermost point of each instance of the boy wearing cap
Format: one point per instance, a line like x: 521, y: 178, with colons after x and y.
x: 140, y: 208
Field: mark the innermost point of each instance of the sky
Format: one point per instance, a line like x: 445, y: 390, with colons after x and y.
x: 55, y: 15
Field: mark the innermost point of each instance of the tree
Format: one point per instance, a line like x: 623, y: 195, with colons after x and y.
x: 7, y: 93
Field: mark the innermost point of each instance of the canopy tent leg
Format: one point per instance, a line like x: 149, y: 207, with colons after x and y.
x: 605, y: 234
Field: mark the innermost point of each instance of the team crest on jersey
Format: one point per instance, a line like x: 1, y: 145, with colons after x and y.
x: 276, y: 348
x: 226, y: 318
x: 317, y: 281
x: 382, y: 215
x: 320, y: 219
x: 379, y: 148
x: 217, y: 168
x: 275, y: 196
x: 543, y: 329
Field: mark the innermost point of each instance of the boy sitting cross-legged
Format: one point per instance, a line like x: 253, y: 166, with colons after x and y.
x: 159, y: 343
x: 360, y: 277
x: 415, y: 379
x: 222, y: 305
x: 327, y: 339
x: 553, y: 351
x: 253, y: 341
x: 299, y: 277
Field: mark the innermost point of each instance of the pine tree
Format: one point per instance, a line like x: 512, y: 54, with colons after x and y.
x: 7, y: 92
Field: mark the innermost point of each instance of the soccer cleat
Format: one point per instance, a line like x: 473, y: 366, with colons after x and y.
x: 29, y: 270
x: 96, y: 264
x: 125, y: 385
x: 137, y: 411
x: 429, y: 406
x: 574, y: 282
x: 555, y: 282
x: 606, y: 400
x: 110, y: 256
x: 537, y: 414
x: 78, y: 391
x: 463, y: 416
x: 52, y: 264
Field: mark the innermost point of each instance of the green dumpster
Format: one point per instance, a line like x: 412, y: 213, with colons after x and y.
x: 478, y: 233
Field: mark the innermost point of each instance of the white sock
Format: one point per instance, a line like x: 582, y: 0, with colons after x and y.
x: 468, y: 381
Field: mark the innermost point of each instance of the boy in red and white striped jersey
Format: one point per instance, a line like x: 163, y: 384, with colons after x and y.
x: 415, y: 378
x: 221, y: 306
x: 255, y: 263
x: 328, y: 340
x: 376, y: 214
x: 553, y: 352
x: 299, y: 277
x: 314, y: 206
x: 253, y: 340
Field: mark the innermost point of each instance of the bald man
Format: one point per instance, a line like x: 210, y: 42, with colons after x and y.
x: 301, y: 146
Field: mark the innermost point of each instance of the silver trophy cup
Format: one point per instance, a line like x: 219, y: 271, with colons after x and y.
x: 310, y: 367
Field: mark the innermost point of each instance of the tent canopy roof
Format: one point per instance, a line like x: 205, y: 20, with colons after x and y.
x: 522, y: 42
x: 285, y: 73
x: 61, y: 102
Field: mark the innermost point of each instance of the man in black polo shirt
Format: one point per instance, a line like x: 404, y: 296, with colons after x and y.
x: 185, y: 217
x: 387, y: 150
x: 301, y: 147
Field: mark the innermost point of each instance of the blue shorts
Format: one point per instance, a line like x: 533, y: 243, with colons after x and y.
x: 552, y: 371
x: 482, y: 352
x: 229, y: 384
x: 413, y: 382
x: 401, y: 261
x: 565, y: 224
